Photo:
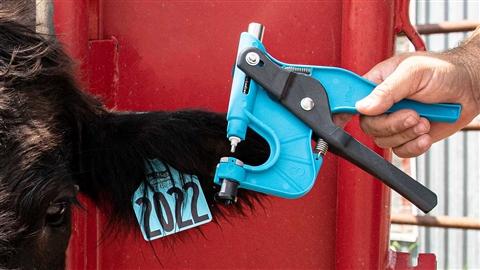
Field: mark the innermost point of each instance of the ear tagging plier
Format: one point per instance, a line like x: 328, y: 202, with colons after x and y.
x: 291, y: 105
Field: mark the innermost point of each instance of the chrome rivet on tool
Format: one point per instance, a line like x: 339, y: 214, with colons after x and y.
x: 307, y: 104
x: 252, y: 58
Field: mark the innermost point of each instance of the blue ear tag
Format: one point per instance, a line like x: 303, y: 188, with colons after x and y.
x: 172, y: 202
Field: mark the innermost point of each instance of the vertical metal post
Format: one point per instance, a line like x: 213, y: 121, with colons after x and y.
x: 71, y: 27
x: 363, y: 203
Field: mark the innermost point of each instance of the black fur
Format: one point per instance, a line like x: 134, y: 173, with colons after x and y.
x: 53, y: 136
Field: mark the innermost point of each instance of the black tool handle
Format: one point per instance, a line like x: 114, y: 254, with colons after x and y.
x: 346, y: 146
x: 291, y: 88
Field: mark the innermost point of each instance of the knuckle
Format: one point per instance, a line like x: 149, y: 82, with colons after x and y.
x: 394, y: 127
x: 408, y: 135
x: 410, y: 113
x: 367, y: 124
x: 402, y: 120
x: 413, y: 62
x: 364, y: 123
x: 384, y: 92
x: 410, y: 61
x: 376, y: 125
x: 423, y: 127
x: 426, y: 123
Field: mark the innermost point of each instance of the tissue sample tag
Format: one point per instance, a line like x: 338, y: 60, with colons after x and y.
x: 171, y: 202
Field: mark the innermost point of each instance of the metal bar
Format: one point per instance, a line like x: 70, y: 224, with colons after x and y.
x: 447, y: 27
x: 437, y: 221
x: 44, y: 17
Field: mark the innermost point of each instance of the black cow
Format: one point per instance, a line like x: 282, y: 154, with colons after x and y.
x: 55, y: 140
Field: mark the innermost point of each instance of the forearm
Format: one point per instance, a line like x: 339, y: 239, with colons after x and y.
x: 472, y: 43
x: 467, y: 56
x: 470, y: 50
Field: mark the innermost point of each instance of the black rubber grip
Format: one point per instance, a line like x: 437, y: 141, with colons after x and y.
x: 352, y: 150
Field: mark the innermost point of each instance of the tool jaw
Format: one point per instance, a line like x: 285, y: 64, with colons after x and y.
x: 292, y: 166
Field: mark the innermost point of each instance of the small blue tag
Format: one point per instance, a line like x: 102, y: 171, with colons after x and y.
x: 172, y: 202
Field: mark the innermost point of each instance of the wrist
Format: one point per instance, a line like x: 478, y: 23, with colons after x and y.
x: 470, y: 49
x: 472, y: 65
x: 467, y: 58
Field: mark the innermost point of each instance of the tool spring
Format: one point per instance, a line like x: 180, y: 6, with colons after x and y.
x: 304, y: 70
x: 322, y: 147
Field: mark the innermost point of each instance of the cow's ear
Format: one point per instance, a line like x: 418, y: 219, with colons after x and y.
x: 106, y: 165
x: 113, y: 150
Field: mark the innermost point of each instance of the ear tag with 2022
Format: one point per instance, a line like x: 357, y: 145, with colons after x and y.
x: 169, y: 203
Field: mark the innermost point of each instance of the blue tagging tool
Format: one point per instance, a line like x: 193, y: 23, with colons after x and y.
x: 171, y: 202
x: 289, y: 105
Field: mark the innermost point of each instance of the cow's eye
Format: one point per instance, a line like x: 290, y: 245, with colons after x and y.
x: 57, y: 214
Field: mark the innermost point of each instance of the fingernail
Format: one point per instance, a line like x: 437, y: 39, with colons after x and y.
x: 410, y: 122
x: 420, y: 128
x: 364, y: 103
x: 423, y: 143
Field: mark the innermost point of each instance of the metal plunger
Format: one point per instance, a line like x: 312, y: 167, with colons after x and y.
x: 228, y: 188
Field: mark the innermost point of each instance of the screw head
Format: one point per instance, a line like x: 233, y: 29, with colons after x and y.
x: 252, y: 58
x: 307, y: 104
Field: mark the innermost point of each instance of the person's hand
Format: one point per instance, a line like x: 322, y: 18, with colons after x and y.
x: 425, y: 77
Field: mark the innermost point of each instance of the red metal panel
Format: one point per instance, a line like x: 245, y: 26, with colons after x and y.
x: 71, y: 26
x: 103, y: 70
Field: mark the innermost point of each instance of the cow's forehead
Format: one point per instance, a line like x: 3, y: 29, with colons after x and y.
x: 33, y: 175
x: 32, y: 144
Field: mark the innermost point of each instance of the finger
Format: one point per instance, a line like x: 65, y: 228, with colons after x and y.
x: 381, y: 70
x: 341, y: 119
x: 376, y: 74
x: 398, y: 85
x: 414, y: 148
x: 410, y: 134
x: 389, y: 124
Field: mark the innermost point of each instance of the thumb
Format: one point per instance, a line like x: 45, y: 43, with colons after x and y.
x: 398, y: 85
